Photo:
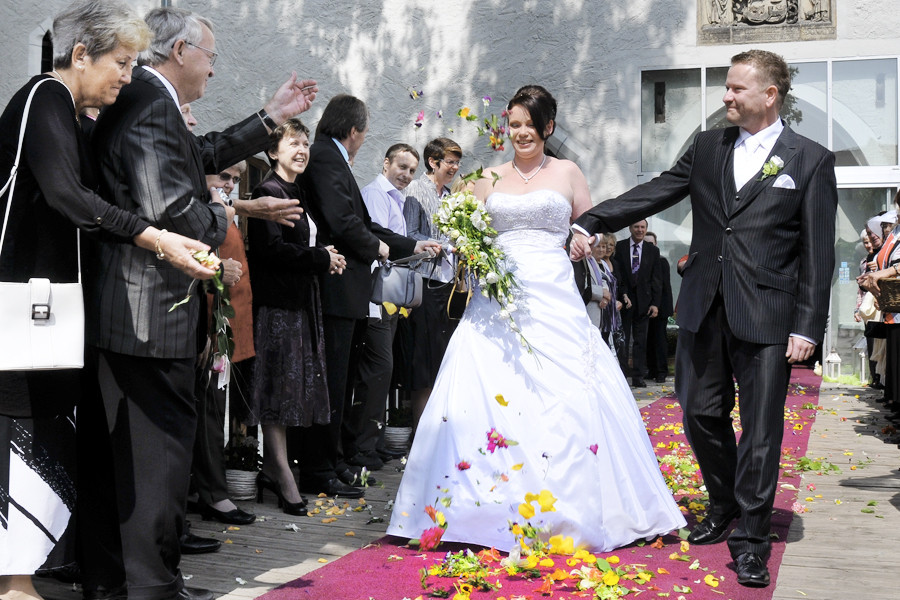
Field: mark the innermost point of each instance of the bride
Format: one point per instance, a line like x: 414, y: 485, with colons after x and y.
x: 559, y: 423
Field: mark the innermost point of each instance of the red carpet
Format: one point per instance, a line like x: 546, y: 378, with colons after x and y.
x: 388, y: 570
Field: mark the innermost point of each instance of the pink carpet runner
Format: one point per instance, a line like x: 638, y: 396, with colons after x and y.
x: 389, y: 570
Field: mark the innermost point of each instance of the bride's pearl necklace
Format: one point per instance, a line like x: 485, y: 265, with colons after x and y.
x: 536, y: 171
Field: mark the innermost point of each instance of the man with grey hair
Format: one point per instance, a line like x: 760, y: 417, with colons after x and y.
x: 152, y: 165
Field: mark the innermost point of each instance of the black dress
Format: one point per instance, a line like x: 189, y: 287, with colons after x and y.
x: 289, y: 379
x: 54, y: 193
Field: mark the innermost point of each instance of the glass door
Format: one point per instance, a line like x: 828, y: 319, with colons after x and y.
x: 845, y: 335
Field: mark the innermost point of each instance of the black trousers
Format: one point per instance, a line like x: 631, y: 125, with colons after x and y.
x: 635, y: 327
x: 657, y: 347
x: 136, y: 439
x: 741, y: 475
x: 208, y: 466
x: 365, y: 424
x: 322, y: 455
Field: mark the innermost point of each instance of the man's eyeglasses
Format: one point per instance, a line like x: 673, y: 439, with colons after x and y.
x: 226, y: 177
x: 211, y: 54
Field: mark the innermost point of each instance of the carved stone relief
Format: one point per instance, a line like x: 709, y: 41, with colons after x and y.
x: 743, y: 21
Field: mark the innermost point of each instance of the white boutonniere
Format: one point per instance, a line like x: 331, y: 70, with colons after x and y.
x: 772, y: 167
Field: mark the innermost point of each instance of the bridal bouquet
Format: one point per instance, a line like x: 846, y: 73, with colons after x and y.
x: 463, y: 219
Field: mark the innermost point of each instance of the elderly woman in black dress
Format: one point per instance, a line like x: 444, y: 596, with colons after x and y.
x: 289, y: 388
x: 95, y: 43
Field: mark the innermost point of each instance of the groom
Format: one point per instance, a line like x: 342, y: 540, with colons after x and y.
x: 754, y: 298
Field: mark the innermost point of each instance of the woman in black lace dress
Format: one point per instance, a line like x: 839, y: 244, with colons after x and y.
x: 289, y: 385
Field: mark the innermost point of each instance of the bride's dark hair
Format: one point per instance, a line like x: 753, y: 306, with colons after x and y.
x: 539, y: 103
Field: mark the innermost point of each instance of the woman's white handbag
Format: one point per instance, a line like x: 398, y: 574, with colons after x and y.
x: 41, y: 323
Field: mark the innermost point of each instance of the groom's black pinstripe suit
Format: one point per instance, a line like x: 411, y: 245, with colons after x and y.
x: 759, y: 269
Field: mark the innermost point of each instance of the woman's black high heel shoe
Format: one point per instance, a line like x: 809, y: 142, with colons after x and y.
x: 263, y: 481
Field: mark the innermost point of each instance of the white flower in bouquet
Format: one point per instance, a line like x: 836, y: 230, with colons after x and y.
x: 466, y: 221
x: 511, y: 307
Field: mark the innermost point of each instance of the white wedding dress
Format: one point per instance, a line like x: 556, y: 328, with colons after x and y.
x: 568, y: 407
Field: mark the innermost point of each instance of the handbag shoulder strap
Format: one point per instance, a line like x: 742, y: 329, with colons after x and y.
x: 11, y: 182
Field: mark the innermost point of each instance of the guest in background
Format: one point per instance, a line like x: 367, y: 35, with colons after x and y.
x: 289, y: 387
x: 384, y: 199
x: 430, y: 327
x: 636, y: 262
x: 336, y: 205
x: 610, y: 319
x: 866, y: 242
x: 600, y: 293
x: 208, y: 466
x: 657, y: 345
x: 887, y: 264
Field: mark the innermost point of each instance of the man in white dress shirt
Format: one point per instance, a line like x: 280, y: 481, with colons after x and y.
x: 363, y: 438
x: 755, y: 293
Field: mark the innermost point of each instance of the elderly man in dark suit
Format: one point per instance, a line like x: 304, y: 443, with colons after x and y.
x: 336, y: 205
x: 755, y: 293
x: 637, y: 262
x: 152, y: 165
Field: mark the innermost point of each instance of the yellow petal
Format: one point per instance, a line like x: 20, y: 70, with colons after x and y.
x: 711, y: 581
x: 546, y: 500
x: 500, y: 400
x: 517, y: 467
x: 610, y: 578
x: 613, y: 560
x: 390, y: 307
x: 526, y: 510
x: 547, y: 562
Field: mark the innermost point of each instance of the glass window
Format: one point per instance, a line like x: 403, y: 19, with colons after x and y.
x: 806, y: 107
x: 715, y: 91
x: 864, y: 112
x: 670, y: 113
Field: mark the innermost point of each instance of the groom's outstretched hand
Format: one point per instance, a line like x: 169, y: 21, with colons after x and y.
x: 580, y: 246
x: 798, y: 349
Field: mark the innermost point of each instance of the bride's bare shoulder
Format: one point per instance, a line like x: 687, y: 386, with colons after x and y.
x: 489, y: 178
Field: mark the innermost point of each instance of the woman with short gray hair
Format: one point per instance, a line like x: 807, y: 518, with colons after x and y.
x: 96, y: 43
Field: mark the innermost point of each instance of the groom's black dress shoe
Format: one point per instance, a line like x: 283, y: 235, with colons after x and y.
x: 712, y: 529
x: 751, y: 570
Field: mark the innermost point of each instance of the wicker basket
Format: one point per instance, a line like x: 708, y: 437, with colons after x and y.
x: 241, y: 484
x: 889, y: 298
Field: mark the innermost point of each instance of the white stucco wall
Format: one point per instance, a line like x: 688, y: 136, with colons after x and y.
x: 589, y: 53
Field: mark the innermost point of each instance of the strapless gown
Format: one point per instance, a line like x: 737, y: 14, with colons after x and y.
x: 572, y: 420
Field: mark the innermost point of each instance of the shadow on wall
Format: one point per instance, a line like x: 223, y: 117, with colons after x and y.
x: 451, y: 55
